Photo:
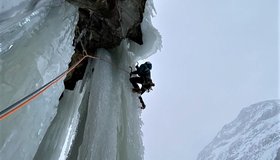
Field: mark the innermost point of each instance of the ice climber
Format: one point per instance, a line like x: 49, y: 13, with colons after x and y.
x: 143, y: 78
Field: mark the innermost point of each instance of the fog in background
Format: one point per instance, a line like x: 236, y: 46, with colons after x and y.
x: 217, y: 57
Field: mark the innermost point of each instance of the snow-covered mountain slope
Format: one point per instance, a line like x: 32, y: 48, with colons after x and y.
x: 253, y: 135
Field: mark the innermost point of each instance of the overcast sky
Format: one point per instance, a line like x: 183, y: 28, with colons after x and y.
x: 218, y: 56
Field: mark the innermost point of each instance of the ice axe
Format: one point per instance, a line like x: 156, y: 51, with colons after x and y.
x: 132, y: 69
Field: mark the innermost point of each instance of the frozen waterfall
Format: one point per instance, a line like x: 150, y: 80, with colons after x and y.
x: 39, y: 49
x: 100, y: 119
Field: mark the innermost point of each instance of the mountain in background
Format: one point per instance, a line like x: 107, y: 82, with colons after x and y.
x: 253, y: 135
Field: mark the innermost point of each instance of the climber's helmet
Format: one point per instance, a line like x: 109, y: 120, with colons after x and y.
x: 149, y: 65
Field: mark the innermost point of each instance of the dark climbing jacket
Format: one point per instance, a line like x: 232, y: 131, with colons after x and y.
x: 143, y: 71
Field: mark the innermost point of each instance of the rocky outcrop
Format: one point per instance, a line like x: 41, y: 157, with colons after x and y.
x: 104, y: 24
x: 254, y: 134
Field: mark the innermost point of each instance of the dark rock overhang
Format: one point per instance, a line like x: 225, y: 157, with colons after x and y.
x: 104, y: 24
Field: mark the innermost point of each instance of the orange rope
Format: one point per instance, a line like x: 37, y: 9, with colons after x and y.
x: 107, y: 62
x: 12, y: 111
x: 39, y: 93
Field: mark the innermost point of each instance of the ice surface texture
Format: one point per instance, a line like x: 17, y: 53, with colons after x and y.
x: 111, y: 127
x: 36, y: 51
x: 113, y: 124
x: 42, y: 48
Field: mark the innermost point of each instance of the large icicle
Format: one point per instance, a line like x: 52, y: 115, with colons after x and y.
x: 63, y: 133
x: 113, y: 124
x: 110, y: 128
x: 59, y: 137
x: 35, y: 58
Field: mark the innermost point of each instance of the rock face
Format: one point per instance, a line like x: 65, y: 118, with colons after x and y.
x: 253, y: 135
x: 104, y: 24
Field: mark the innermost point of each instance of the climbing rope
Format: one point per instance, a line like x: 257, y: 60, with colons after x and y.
x: 107, y: 61
x: 27, y: 99
x: 85, y: 53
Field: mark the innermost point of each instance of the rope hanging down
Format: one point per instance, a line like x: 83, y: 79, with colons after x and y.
x: 27, y: 99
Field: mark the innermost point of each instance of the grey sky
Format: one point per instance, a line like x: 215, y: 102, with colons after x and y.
x: 217, y: 57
